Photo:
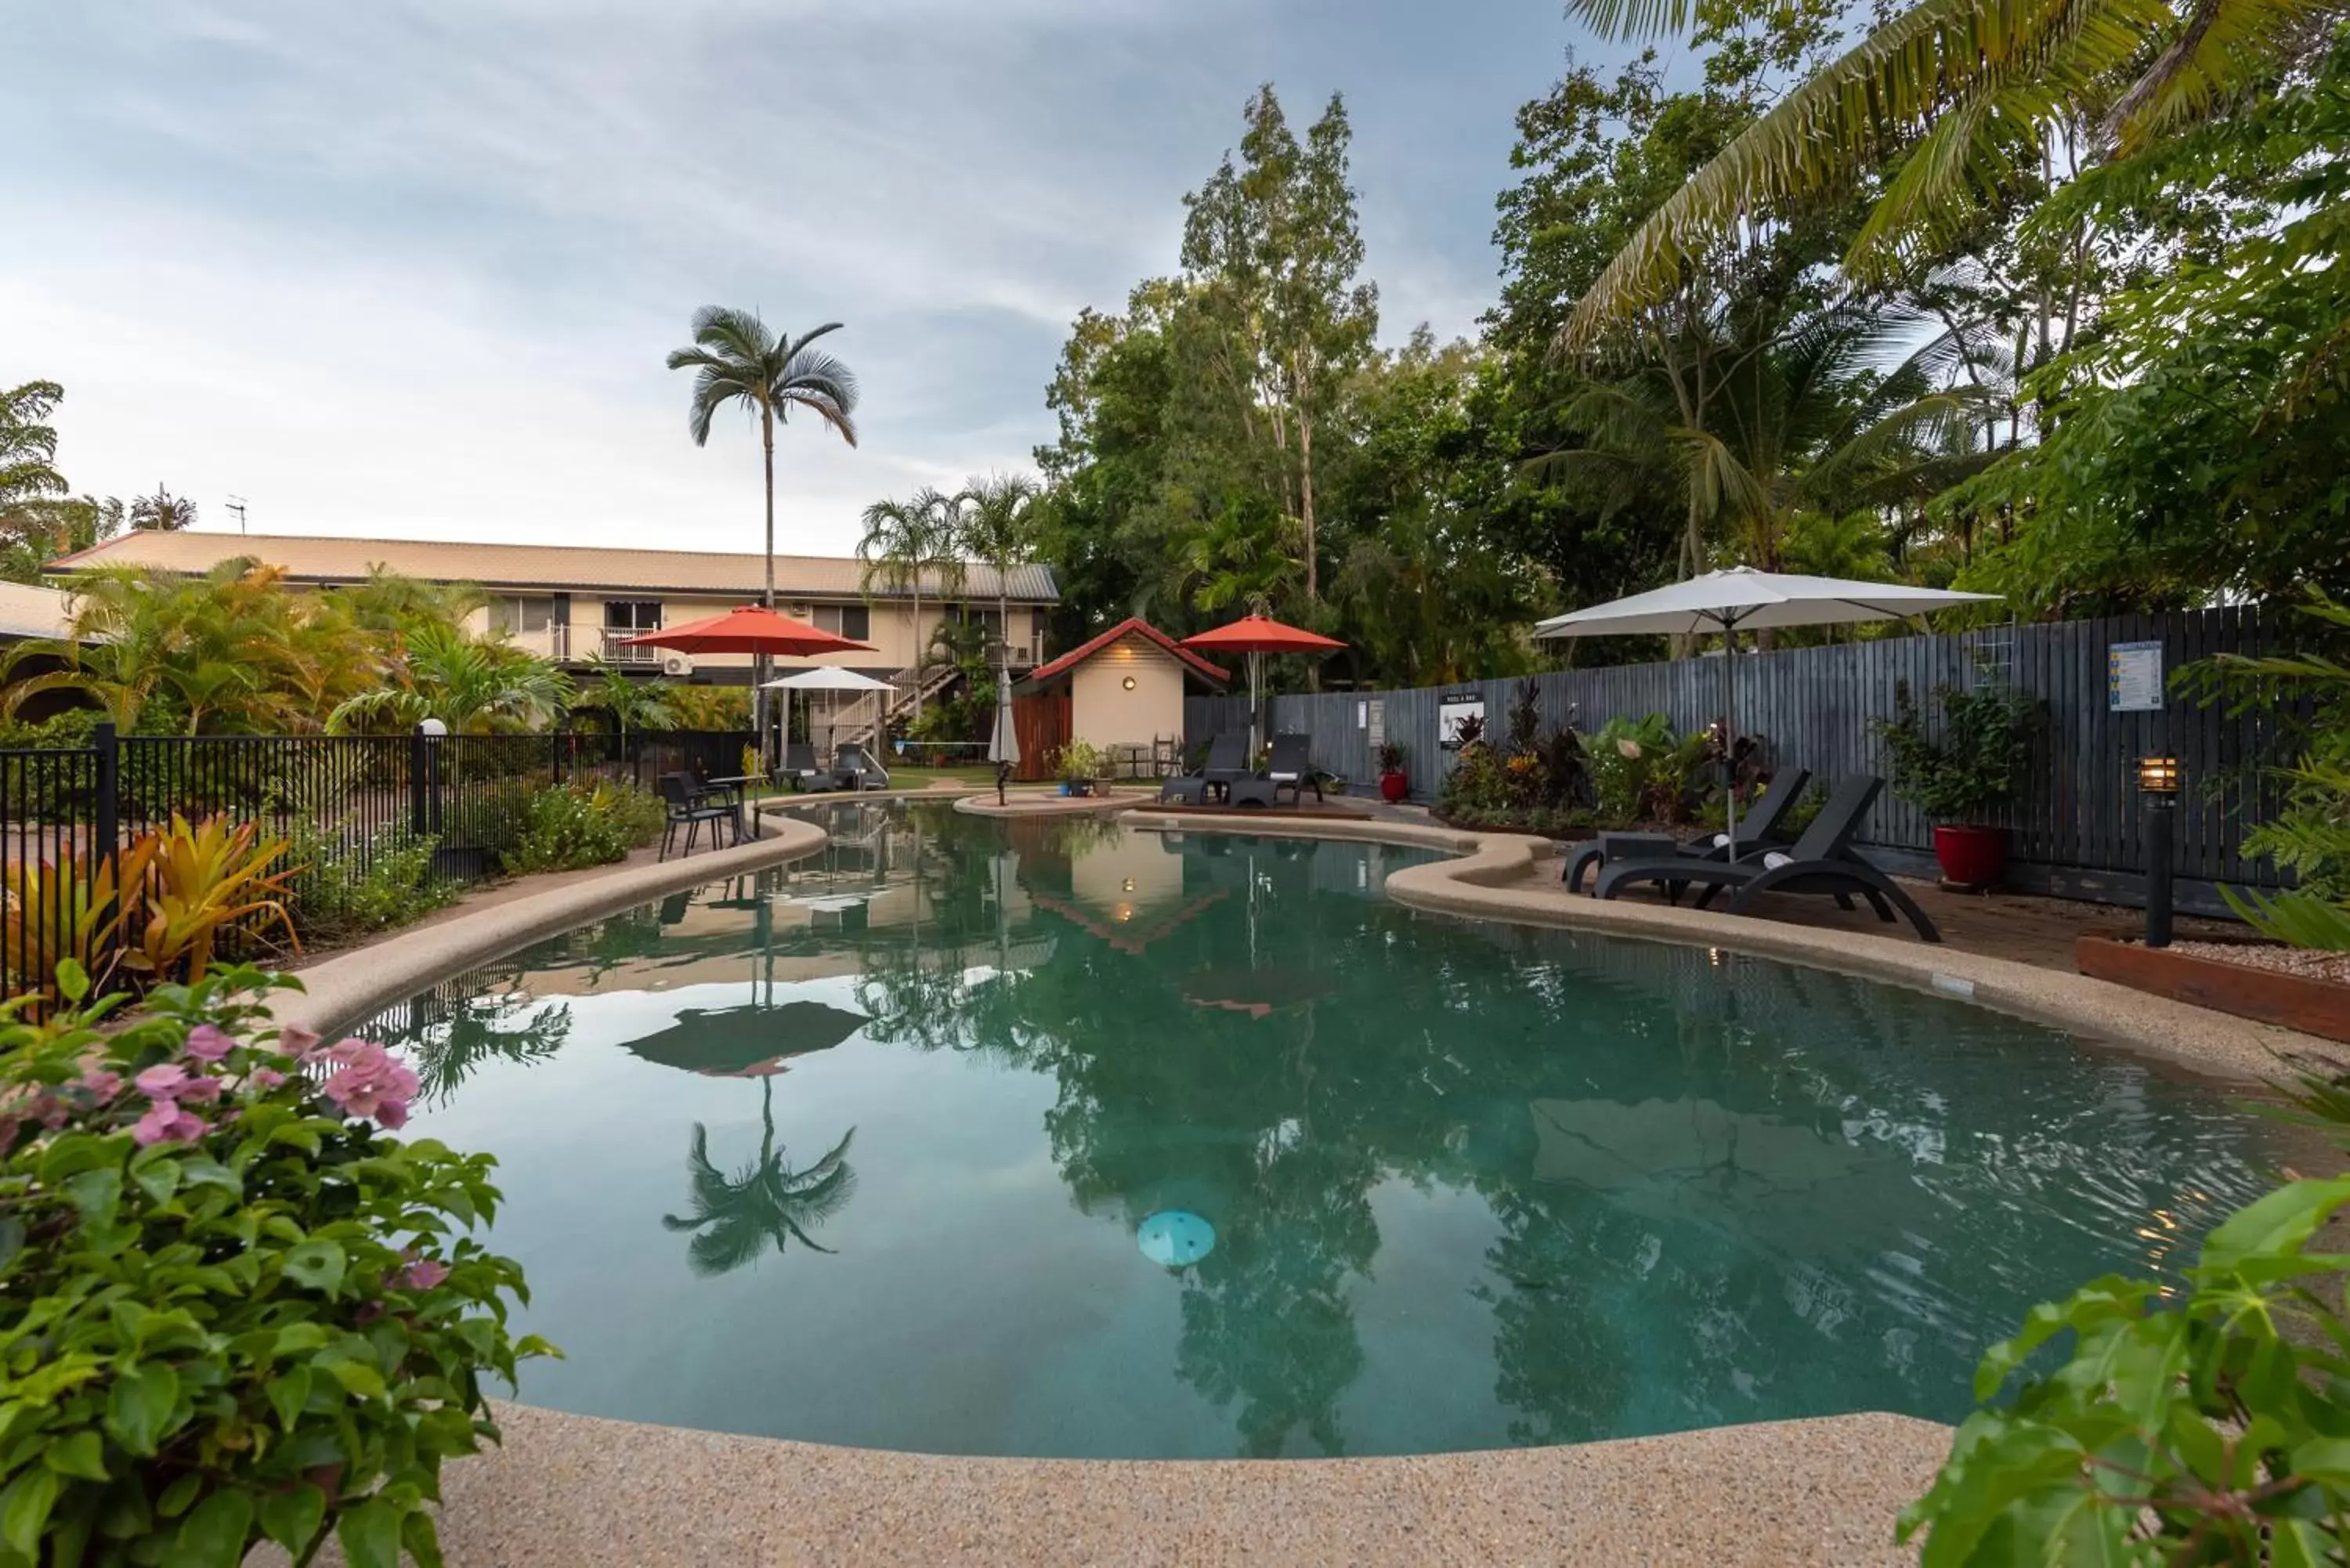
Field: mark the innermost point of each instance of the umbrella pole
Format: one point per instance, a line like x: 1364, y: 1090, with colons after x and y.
x: 1257, y: 679
x: 1730, y: 730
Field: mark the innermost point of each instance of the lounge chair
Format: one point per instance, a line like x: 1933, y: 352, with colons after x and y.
x: 1290, y: 768
x: 1227, y: 760
x: 800, y: 769
x: 1755, y: 830
x: 689, y: 806
x: 856, y: 768
x: 1822, y: 861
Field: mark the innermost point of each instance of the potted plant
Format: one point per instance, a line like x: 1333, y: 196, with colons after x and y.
x: 1394, y: 783
x: 1966, y: 774
x: 1081, y: 765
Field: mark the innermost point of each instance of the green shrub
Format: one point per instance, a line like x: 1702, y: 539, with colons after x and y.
x: 2208, y: 1426
x: 563, y: 831
x: 231, y: 1307
x: 638, y: 814
x: 1975, y: 767
x: 69, y: 728
x: 354, y: 883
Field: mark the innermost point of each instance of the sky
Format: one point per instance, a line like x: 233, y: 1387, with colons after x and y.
x: 411, y: 270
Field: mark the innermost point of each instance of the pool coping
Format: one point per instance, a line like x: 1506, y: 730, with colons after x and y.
x: 1477, y: 881
x: 346, y: 990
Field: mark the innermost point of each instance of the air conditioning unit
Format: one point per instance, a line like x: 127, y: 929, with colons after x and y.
x: 677, y: 664
x: 800, y: 612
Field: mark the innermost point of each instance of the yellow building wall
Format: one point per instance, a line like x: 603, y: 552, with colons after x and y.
x: 1104, y: 712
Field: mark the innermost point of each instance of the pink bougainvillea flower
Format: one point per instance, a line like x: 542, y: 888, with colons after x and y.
x: 199, y: 1089
x: 294, y: 1042
x: 165, y: 1122
x: 264, y: 1078
x: 422, y: 1274
x: 52, y: 1111
x: 101, y: 1083
x: 162, y: 1082
x: 209, y: 1043
x: 370, y: 1081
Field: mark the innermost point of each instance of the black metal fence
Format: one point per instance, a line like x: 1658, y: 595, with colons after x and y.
x: 2078, y: 827
x: 342, y: 801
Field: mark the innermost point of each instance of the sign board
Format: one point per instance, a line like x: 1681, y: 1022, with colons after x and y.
x: 2134, y: 677
x: 1451, y: 709
x: 1375, y: 723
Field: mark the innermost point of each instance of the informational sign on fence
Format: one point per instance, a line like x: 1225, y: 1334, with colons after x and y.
x: 1373, y: 712
x: 2134, y: 677
x: 1451, y: 708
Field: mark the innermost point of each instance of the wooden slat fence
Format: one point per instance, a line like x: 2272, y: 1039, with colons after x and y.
x: 2078, y: 828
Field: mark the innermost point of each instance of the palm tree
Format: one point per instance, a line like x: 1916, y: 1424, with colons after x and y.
x: 163, y: 511
x: 474, y: 687
x: 907, y: 541
x: 1965, y: 93
x: 766, y: 1203
x: 999, y: 527
x: 629, y: 703
x: 735, y: 359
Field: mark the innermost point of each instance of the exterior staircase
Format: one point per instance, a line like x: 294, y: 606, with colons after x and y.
x: 862, y: 721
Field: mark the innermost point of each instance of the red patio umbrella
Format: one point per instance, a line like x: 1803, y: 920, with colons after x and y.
x: 1256, y: 636
x: 751, y: 629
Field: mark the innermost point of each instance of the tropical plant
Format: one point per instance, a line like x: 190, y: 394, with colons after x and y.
x: 628, y: 703
x: 236, y: 1309
x: 472, y: 686
x: 2204, y: 1425
x: 200, y: 884
x: 710, y: 707
x: 1976, y: 765
x: 907, y: 544
x: 355, y: 881
x: 1392, y: 757
x: 63, y: 910
x: 1081, y: 760
x: 999, y: 524
x: 1959, y: 99
x: 568, y: 829
x: 735, y: 1219
x: 29, y: 445
x: 735, y: 359
x: 163, y: 511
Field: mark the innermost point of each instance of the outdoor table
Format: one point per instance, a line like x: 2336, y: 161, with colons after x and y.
x: 733, y: 785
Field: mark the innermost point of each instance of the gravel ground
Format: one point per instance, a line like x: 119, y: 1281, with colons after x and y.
x: 2302, y: 962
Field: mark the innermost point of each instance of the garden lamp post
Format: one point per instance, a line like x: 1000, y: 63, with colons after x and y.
x: 2158, y: 782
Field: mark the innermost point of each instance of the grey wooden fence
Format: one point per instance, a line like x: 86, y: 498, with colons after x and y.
x: 2078, y: 828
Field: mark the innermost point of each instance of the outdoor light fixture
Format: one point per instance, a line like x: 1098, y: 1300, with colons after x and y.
x: 1130, y: 885
x: 2158, y: 780
x: 1128, y: 684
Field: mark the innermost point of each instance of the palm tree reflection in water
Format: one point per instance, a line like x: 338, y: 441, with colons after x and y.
x: 735, y: 1219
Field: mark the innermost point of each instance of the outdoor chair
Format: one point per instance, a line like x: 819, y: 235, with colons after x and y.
x: 1822, y: 861
x: 854, y: 768
x: 1188, y: 790
x: 1756, y: 829
x: 800, y: 769
x: 690, y: 807
x: 1228, y: 761
x: 1289, y: 768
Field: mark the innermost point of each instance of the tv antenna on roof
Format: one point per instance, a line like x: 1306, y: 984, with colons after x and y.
x: 236, y: 505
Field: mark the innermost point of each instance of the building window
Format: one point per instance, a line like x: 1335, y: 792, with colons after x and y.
x: 632, y: 615
x: 855, y: 621
x: 511, y: 615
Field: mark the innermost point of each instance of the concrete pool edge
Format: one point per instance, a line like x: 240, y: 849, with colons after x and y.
x: 570, y: 1489
x: 346, y: 990
x: 1484, y: 880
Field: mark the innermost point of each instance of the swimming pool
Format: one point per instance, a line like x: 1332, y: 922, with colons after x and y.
x: 1063, y: 1139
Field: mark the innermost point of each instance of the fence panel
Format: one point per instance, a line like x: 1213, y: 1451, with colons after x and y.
x: 2078, y: 824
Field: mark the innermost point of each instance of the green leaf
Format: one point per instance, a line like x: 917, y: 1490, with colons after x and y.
x: 201, y: 1170
x: 179, y: 1495
x: 158, y: 1178
x: 317, y: 1264
x: 97, y: 1193
x: 289, y: 1393
x: 24, y: 1510
x: 292, y: 1518
x: 421, y: 1537
x: 214, y: 1534
x: 139, y: 1408
x: 357, y: 1378
x: 2324, y: 1460
x: 12, y: 1239
x: 370, y: 1535
x: 81, y: 1456
x: 2280, y: 1222
x: 73, y: 980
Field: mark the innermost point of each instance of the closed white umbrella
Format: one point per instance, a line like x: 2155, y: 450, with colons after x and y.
x: 827, y: 677
x: 1004, y: 743
x: 1740, y: 599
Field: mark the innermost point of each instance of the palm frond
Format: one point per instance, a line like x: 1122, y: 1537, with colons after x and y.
x: 2225, y: 46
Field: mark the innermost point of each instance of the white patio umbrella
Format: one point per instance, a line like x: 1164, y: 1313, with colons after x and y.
x: 1740, y: 599
x: 1004, y: 740
x: 827, y: 677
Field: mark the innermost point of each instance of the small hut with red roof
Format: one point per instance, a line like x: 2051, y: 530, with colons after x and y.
x: 1125, y: 687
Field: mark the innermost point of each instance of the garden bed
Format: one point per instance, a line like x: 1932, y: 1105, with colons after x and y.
x: 2260, y: 980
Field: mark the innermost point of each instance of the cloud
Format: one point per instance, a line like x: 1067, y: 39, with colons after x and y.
x: 412, y: 267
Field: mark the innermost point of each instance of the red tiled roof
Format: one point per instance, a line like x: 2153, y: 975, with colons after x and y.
x: 1135, y: 626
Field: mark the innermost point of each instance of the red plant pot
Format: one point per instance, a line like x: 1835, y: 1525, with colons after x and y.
x: 1971, y: 856
x: 1393, y: 787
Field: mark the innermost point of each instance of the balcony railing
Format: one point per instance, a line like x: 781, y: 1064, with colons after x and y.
x: 616, y: 649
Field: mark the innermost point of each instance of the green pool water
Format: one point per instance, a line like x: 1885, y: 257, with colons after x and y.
x: 1067, y: 1139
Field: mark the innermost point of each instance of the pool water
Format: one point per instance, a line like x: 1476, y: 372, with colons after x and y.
x: 1065, y: 1139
